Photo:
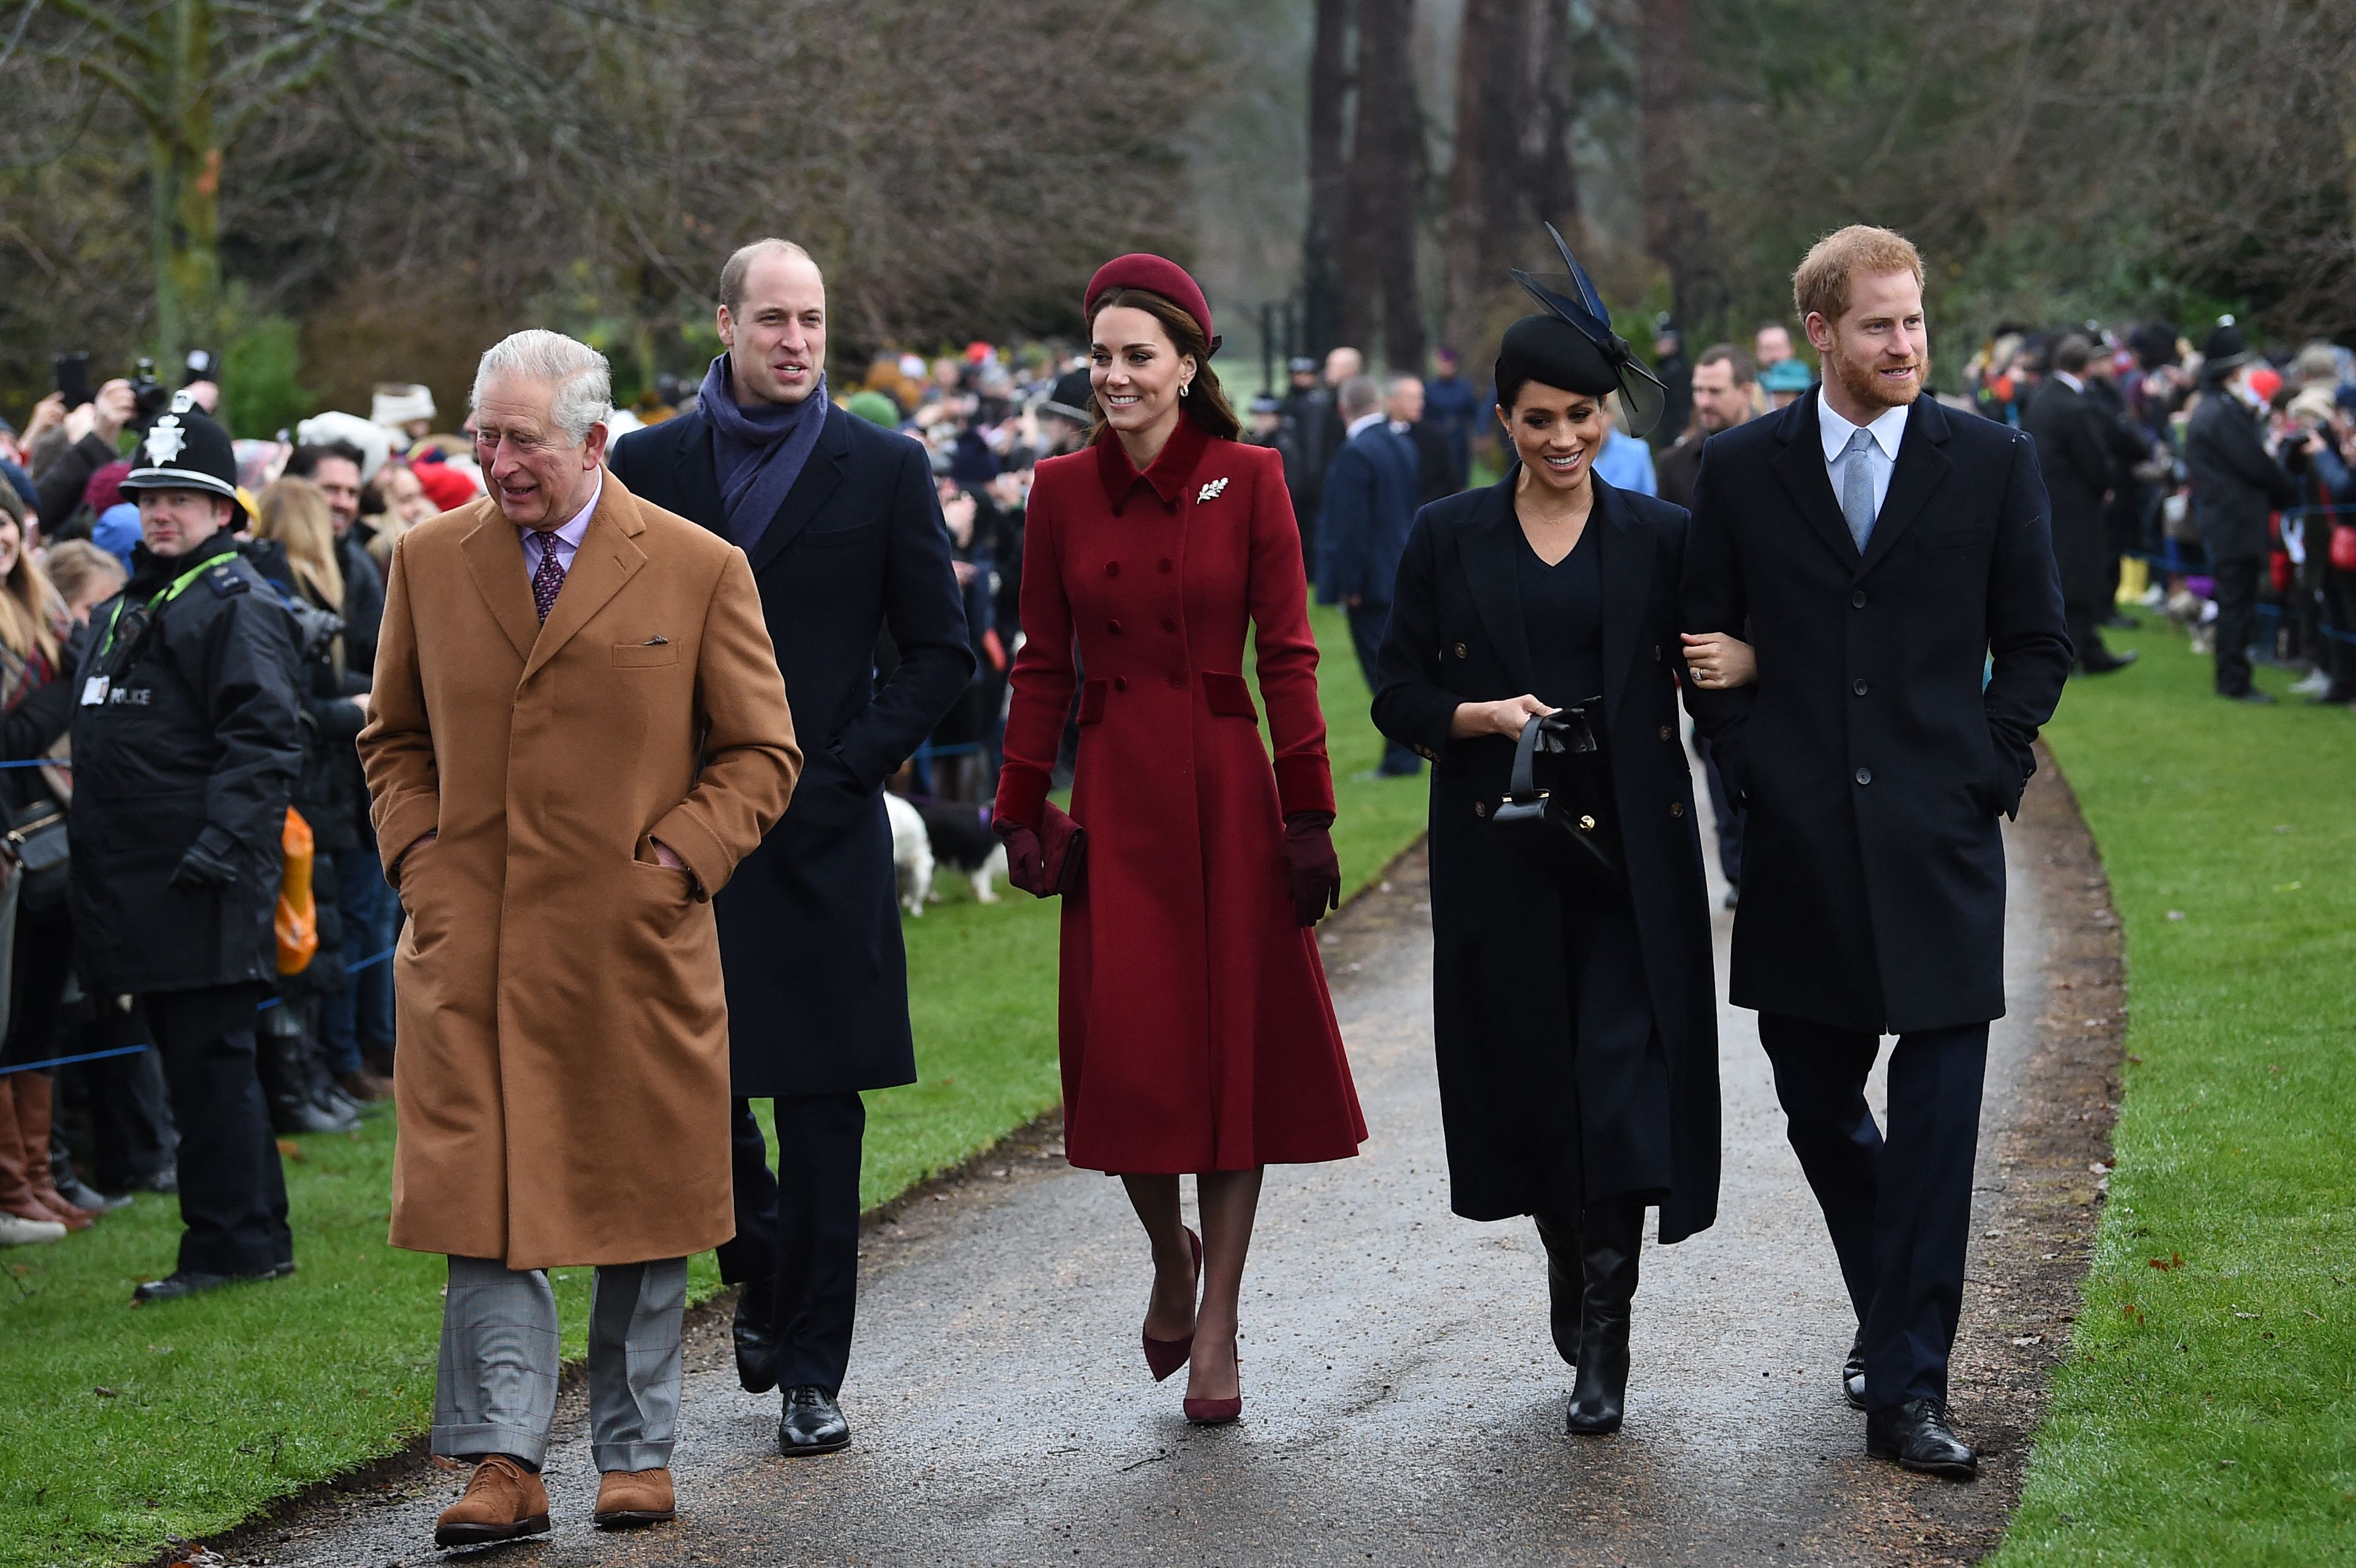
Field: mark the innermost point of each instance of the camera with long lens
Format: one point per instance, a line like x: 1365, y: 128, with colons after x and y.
x: 149, y: 396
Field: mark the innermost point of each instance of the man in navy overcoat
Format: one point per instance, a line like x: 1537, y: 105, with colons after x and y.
x: 844, y: 527
x: 1892, y: 563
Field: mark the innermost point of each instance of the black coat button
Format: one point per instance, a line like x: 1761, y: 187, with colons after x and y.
x: 1665, y: 731
x: 1676, y: 808
x: 1856, y: 599
x: 1480, y: 809
x: 1114, y: 627
x: 1858, y: 685
x: 1120, y: 683
x: 1865, y: 775
x: 1460, y: 651
x: 1657, y: 653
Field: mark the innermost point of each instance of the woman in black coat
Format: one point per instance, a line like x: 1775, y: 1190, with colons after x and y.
x: 1577, y: 1033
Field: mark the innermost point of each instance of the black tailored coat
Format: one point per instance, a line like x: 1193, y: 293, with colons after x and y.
x: 809, y: 926
x: 2074, y: 457
x: 1873, y: 763
x: 1501, y: 1011
x: 2235, y: 485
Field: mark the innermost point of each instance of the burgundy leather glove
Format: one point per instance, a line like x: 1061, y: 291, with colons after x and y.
x: 1026, y: 862
x: 1046, y: 860
x: 1310, y: 867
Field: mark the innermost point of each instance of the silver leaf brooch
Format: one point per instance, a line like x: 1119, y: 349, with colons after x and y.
x: 1211, y: 492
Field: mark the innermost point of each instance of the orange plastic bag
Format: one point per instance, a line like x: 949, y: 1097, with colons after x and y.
x: 297, y: 919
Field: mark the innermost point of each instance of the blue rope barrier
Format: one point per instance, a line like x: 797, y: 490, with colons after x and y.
x: 368, y: 963
x: 66, y: 762
x: 66, y: 1061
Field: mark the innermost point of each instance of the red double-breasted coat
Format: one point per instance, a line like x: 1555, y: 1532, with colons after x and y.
x: 1196, y: 1031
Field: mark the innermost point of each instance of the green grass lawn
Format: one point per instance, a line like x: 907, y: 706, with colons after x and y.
x: 2207, y: 1413
x: 119, y: 1428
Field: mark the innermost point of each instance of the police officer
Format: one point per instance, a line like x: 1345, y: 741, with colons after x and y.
x: 186, y: 744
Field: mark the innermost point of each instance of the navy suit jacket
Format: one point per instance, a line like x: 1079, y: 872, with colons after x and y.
x: 1371, y: 490
x: 810, y: 925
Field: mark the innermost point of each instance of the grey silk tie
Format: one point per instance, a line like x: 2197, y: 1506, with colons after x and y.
x: 1856, y: 489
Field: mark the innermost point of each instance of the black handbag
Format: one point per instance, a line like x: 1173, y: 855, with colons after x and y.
x: 1569, y: 830
x: 36, y: 842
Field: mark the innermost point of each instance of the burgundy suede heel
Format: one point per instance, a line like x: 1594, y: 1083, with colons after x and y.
x: 1164, y: 1356
x: 1217, y: 1411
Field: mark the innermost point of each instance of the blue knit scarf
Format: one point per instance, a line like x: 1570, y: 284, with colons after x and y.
x: 758, y: 452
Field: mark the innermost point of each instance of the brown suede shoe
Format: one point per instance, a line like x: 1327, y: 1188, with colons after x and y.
x: 503, y: 1502
x: 628, y: 1498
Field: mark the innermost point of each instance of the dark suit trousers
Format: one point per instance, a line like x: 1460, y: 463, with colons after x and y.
x: 2237, y: 619
x: 797, y: 1232
x: 1367, y: 623
x: 232, y: 1189
x: 1900, y: 1208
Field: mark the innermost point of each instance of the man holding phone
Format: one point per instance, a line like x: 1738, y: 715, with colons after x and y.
x: 93, y: 423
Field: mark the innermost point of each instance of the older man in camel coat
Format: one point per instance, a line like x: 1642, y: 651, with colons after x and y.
x: 578, y: 730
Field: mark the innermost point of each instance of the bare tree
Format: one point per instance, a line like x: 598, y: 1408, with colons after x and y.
x: 1516, y: 110
x: 1322, y: 286
x: 1386, y: 189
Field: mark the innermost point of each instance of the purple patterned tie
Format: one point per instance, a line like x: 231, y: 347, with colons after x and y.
x: 551, y: 575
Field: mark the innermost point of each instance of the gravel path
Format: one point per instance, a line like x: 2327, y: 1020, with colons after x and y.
x: 1403, y: 1402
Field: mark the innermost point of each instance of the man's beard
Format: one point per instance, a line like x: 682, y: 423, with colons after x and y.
x: 1868, y: 386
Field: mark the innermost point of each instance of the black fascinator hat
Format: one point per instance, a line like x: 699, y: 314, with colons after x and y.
x: 1570, y: 297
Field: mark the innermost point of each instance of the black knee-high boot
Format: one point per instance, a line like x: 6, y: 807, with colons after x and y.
x: 1565, y: 1281
x: 1609, y: 1234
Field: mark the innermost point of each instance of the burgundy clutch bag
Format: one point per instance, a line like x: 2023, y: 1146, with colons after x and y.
x: 1062, y: 848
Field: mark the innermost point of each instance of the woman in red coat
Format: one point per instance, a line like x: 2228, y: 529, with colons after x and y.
x: 1196, y: 1033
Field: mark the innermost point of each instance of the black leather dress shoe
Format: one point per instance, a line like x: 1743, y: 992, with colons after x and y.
x: 183, y: 1283
x: 1853, y: 1372
x: 812, y: 1424
x: 2254, y: 698
x: 1918, y: 1435
x: 2101, y: 661
x: 756, y: 1333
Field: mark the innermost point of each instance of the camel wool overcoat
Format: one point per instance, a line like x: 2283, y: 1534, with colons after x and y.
x: 561, y: 1069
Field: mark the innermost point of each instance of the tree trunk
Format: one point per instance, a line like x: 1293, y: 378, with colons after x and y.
x: 1328, y: 89
x: 1387, y: 167
x: 1514, y: 112
x: 184, y: 164
x: 1674, y: 233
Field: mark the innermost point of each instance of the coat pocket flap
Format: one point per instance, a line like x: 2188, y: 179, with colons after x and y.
x: 1092, y: 702
x: 1229, y: 697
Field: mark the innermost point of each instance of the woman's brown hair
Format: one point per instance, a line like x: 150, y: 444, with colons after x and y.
x: 1206, y: 401
x: 30, y: 608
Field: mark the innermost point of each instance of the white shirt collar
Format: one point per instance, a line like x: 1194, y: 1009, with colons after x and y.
x: 2069, y: 380
x: 1364, y: 421
x: 1888, y: 428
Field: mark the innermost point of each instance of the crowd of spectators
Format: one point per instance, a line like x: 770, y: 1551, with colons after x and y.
x: 2218, y: 481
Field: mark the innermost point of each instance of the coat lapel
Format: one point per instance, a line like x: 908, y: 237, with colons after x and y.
x: 695, y: 475
x: 609, y: 557
x: 1921, y: 465
x: 1801, y: 467
x: 819, y: 478
x: 1487, y: 549
x: 494, y: 553
x: 1627, y: 587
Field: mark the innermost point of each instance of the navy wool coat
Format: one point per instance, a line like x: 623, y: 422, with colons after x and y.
x: 1501, y: 1007
x: 1880, y: 744
x: 809, y: 928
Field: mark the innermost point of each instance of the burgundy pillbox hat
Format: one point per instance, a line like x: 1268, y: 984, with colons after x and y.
x: 1155, y: 274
